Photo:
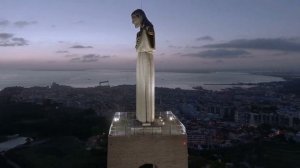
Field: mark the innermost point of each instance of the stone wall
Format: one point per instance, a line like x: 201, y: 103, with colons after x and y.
x: 164, y: 151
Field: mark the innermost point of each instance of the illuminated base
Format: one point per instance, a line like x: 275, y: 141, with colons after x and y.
x: 162, y: 144
x: 146, y: 124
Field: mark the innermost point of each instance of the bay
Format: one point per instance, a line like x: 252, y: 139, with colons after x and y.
x: 91, y: 78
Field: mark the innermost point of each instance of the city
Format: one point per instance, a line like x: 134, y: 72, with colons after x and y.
x: 214, y: 120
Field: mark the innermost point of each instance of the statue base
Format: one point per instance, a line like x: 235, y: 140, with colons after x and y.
x: 163, y: 144
x: 146, y: 124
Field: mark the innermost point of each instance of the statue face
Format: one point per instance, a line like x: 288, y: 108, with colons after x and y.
x: 136, y: 20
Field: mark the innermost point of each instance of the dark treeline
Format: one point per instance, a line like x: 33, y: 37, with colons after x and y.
x: 49, y: 119
x: 291, y: 87
x: 60, y: 135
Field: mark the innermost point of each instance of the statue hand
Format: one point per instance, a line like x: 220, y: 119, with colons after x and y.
x: 149, y: 30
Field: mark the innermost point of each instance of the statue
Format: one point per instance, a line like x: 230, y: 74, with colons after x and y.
x: 145, y: 45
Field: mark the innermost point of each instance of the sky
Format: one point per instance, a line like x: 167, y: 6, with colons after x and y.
x: 190, y: 34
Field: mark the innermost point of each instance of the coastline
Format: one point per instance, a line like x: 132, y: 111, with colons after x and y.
x: 209, y: 80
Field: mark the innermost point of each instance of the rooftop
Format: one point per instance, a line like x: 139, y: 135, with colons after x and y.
x: 165, y: 123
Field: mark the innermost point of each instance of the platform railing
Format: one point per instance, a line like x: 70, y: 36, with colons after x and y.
x: 166, y: 123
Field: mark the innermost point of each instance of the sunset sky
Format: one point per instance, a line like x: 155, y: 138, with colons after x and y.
x: 190, y: 34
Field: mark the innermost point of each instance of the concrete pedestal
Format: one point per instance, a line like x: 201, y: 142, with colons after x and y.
x: 162, y: 145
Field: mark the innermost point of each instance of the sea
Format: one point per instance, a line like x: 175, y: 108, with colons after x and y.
x: 91, y: 78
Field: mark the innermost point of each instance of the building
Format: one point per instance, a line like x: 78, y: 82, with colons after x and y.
x: 161, y: 145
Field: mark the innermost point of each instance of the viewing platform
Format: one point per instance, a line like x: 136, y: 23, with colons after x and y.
x: 165, y: 123
x: 132, y: 144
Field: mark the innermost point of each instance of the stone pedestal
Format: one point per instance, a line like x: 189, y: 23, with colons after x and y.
x: 162, y: 145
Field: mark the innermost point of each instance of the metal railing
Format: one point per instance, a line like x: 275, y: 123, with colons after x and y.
x: 165, y: 123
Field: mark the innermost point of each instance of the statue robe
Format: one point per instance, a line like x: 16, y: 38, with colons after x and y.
x: 145, y: 79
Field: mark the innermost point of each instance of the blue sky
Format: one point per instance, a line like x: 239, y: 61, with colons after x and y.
x: 190, y: 34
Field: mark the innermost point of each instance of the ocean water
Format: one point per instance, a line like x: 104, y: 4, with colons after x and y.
x: 90, y: 78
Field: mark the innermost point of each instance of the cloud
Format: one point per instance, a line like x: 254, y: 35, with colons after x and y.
x: 81, y: 46
x: 79, y: 22
x: 205, y: 38
x: 77, y: 59
x: 62, y: 51
x: 219, y: 61
x: 89, y: 58
x: 8, y: 40
x: 22, y: 24
x: 71, y: 55
x: 176, y: 47
x: 219, y: 53
x: 4, y: 23
x: 279, y: 44
x: 19, y: 40
x: 193, y: 47
x: 4, y: 36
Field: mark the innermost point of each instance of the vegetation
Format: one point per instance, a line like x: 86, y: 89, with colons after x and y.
x: 276, y: 153
x: 40, y: 121
x: 60, y: 135
x: 59, y: 152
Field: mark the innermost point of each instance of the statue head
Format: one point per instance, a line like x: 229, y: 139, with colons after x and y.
x: 139, y: 19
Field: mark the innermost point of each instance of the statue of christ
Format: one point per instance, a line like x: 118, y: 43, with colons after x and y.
x: 145, y: 45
